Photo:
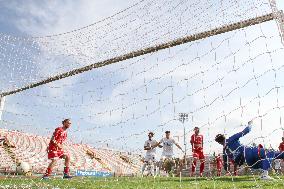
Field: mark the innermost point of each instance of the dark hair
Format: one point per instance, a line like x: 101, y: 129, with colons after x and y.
x: 64, y: 121
x: 196, y: 128
x: 151, y: 133
x: 220, y: 138
x: 168, y: 132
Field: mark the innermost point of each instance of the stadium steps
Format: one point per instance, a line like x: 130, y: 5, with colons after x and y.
x: 32, y: 149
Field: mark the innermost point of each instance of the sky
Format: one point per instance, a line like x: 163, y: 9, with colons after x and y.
x: 222, y: 81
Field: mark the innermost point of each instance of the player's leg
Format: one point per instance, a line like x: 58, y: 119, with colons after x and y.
x: 265, y: 162
x: 154, y: 165
x: 235, y: 169
x: 218, y: 171
x: 146, y: 161
x: 167, y: 164
x: 202, y: 162
x: 66, y: 157
x: 49, y: 168
x: 193, y: 166
x: 194, y: 162
x: 172, y: 163
x: 143, y: 167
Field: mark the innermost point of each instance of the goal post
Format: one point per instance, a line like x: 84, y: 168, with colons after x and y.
x: 2, y: 102
x: 279, y: 17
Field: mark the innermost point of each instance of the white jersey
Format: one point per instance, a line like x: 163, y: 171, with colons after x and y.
x: 168, y: 146
x: 150, y: 143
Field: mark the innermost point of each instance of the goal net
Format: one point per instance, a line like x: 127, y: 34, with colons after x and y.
x: 222, y: 81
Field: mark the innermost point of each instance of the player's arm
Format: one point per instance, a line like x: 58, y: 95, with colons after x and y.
x: 147, y: 148
x: 157, y: 144
x: 191, y: 142
x: 242, y: 133
x: 178, y: 145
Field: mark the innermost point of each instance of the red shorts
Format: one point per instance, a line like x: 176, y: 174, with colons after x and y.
x: 219, y: 166
x: 198, y: 154
x: 54, y: 152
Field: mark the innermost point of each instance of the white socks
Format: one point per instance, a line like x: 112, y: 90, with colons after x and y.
x: 143, y: 167
x: 265, y: 173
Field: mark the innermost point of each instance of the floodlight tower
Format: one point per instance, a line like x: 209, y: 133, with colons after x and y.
x: 183, y: 117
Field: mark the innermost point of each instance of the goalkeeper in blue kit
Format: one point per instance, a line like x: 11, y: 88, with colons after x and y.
x: 254, y: 157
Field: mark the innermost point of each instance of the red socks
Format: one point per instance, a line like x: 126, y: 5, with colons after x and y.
x: 202, y: 165
x: 193, y: 167
x: 48, y: 172
x: 66, y: 170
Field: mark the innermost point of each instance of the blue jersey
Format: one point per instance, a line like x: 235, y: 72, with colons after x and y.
x: 254, y: 157
x: 233, y: 149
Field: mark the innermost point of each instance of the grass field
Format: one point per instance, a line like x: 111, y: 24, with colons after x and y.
x: 148, y: 182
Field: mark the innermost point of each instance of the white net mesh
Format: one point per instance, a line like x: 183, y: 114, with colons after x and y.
x: 145, y: 24
x: 221, y: 82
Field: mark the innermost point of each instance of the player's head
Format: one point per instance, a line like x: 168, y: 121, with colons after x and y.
x: 168, y: 133
x: 220, y: 138
x: 150, y: 134
x: 282, y: 139
x: 66, y: 123
x: 196, y: 130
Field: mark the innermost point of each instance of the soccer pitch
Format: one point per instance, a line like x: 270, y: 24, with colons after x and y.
x: 146, y: 182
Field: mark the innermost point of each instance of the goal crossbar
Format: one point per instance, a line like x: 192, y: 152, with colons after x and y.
x: 175, y: 42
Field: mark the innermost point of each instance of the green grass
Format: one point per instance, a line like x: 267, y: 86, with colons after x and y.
x: 146, y: 182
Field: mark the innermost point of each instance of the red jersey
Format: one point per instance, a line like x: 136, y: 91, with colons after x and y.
x: 281, y: 147
x: 197, y: 142
x: 58, y: 137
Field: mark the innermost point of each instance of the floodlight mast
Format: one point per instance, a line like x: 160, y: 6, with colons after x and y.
x: 183, y: 117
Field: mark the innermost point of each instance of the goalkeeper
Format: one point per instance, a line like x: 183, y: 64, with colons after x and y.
x: 255, y: 157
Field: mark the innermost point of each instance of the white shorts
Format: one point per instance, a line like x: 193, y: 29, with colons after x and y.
x: 277, y: 164
x: 149, y: 158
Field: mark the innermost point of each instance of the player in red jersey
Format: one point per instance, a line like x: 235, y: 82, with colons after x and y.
x: 55, y: 149
x: 281, y: 145
x: 196, y: 142
x: 219, y: 164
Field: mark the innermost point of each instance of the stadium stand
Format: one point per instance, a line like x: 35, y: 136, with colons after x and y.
x: 32, y: 149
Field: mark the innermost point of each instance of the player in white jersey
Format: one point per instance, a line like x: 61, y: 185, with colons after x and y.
x: 168, y: 152
x: 168, y: 146
x: 150, y: 156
